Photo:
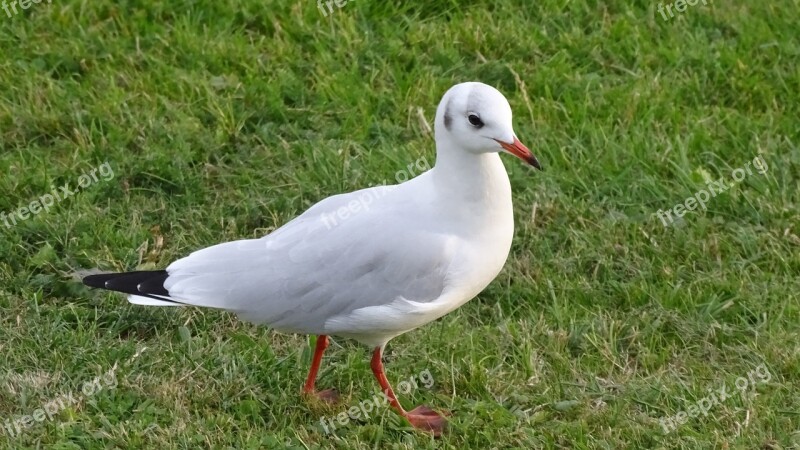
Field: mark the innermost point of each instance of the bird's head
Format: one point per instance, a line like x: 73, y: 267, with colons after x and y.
x: 477, y: 118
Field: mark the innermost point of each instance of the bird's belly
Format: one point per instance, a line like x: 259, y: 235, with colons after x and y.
x: 474, y: 266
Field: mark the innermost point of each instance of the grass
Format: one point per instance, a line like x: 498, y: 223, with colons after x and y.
x: 223, y: 120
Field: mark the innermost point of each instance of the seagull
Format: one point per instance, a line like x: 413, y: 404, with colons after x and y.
x: 419, y: 250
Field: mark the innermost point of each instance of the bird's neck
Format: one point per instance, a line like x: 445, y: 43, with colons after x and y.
x: 479, y: 179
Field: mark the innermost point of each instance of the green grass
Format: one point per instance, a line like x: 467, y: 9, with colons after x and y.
x: 223, y: 120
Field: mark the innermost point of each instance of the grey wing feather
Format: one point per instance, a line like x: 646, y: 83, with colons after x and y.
x: 307, y: 271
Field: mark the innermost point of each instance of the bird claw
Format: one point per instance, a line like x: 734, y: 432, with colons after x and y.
x: 426, y: 419
x: 330, y: 396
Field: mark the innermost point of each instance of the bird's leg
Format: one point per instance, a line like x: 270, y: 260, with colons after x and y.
x: 420, y: 417
x: 328, y: 395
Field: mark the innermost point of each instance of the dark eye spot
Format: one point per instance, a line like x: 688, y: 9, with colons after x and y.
x: 475, y: 120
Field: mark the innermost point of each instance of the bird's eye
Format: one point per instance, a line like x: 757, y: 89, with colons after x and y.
x: 475, y: 120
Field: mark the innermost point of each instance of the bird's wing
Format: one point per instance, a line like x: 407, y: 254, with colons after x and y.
x: 310, y: 270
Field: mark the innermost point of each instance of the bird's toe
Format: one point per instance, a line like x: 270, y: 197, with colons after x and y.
x: 426, y: 419
x: 330, y: 396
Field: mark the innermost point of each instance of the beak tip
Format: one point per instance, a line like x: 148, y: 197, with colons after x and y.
x: 522, y: 152
x: 535, y: 163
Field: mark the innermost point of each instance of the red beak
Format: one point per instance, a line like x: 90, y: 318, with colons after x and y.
x: 519, y: 150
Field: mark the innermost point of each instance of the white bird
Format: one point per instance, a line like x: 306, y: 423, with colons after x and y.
x: 419, y: 250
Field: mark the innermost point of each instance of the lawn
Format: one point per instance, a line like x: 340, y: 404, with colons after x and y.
x: 177, y: 125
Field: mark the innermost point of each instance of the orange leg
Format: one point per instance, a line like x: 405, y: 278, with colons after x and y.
x: 420, y: 417
x: 328, y: 395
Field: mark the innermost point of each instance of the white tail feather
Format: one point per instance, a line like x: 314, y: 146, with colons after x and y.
x: 138, y: 300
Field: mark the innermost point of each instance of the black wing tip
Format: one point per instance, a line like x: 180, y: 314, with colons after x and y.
x: 145, y: 283
x: 155, y: 284
x: 129, y: 282
x: 98, y: 280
